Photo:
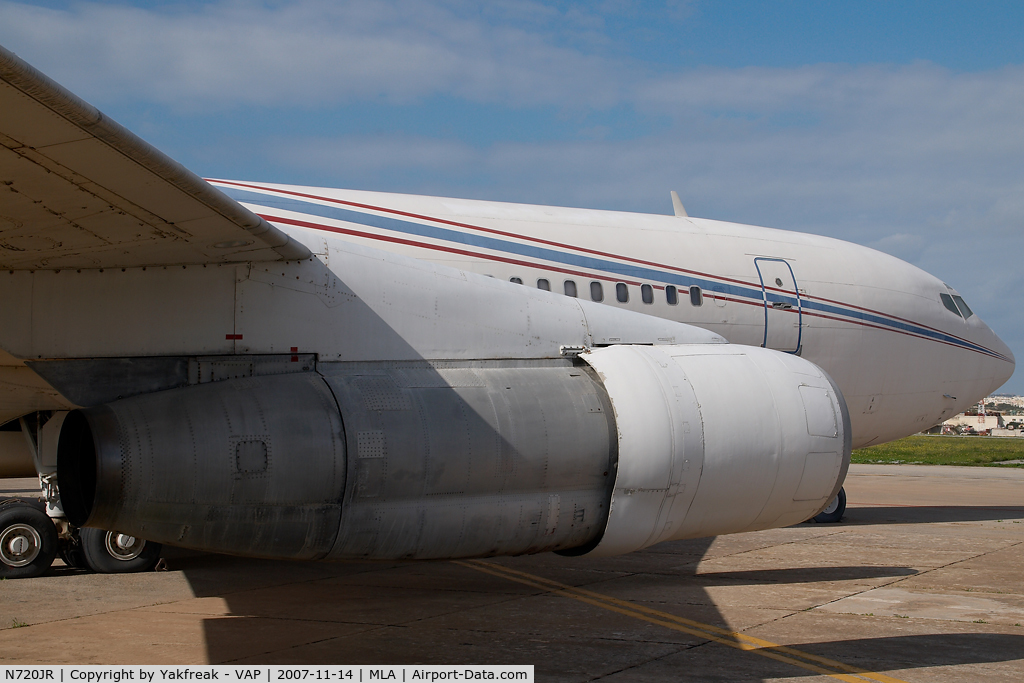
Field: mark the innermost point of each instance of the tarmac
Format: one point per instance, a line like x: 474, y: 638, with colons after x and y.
x: 920, y: 582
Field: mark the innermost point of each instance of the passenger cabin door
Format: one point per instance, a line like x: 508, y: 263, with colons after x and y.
x: 782, y: 312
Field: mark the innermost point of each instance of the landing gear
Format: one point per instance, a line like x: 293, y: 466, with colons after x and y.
x: 28, y: 541
x: 835, y: 510
x: 111, y: 552
x: 32, y: 533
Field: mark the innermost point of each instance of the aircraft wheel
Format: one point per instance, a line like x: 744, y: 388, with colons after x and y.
x: 28, y: 541
x: 111, y: 552
x: 835, y: 510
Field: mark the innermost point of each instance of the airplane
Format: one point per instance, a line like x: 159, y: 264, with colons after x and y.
x: 857, y: 313
x: 307, y: 373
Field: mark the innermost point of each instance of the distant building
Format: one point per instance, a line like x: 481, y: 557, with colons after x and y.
x: 979, y: 423
x: 1015, y: 401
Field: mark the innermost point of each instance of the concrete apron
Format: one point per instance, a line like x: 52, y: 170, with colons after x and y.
x: 920, y: 582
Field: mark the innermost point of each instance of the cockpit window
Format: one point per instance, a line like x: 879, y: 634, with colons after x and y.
x: 947, y: 301
x: 962, y: 305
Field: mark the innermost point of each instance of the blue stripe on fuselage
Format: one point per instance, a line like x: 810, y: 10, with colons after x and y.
x: 568, y: 258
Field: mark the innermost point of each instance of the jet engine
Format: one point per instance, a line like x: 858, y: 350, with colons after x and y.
x: 619, y: 449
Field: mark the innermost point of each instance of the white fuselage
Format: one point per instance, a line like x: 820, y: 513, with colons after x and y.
x: 877, y: 325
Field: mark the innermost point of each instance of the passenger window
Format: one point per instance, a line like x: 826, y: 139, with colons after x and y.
x: 696, y: 296
x: 570, y: 287
x: 517, y: 280
x: 596, y: 291
x: 671, y: 295
x: 962, y: 305
x: 947, y: 301
x: 542, y: 283
x: 621, y: 292
x: 647, y: 294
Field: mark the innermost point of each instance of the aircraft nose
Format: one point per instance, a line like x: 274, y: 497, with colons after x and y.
x: 1008, y: 366
x: 1005, y: 364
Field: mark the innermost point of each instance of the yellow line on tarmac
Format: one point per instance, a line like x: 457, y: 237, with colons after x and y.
x: 740, y: 641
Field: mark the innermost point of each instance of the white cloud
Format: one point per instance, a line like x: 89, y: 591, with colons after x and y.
x: 902, y: 245
x: 309, y: 53
x: 374, y: 154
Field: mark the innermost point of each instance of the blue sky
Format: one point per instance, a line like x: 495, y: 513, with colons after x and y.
x: 892, y: 124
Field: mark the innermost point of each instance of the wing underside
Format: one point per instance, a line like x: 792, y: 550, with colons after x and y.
x: 77, y: 190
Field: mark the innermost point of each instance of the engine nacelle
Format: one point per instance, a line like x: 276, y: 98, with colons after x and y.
x: 718, y: 439
x: 428, y: 462
x: 634, y: 446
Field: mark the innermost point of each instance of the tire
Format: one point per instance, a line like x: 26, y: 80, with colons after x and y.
x: 31, y: 502
x: 834, y: 511
x: 28, y: 541
x: 110, y: 552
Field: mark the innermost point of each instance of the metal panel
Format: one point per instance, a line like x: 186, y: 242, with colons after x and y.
x: 94, y: 381
x: 117, y: 312
x: 251, y: 466
x: 486, y: 459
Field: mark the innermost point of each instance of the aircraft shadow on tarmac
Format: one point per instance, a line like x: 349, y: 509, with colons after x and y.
x: 918, y: 651
x: 443, y: 613
x: 423, y: 613
x: 930, y: 514
x: 802, y: 575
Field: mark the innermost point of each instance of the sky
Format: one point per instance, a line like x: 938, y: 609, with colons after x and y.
x: 896, y: 125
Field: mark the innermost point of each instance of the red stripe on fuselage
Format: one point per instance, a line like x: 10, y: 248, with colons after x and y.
x: 526, y: 264
x: 583, y: 250
x: 438, y: 247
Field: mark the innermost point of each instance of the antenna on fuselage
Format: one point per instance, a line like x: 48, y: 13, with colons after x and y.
x: 677, y: 205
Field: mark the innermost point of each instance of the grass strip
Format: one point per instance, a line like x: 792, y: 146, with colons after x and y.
x: 944, y: 450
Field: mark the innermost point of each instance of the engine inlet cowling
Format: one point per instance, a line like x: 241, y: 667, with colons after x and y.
x: 717, y: 440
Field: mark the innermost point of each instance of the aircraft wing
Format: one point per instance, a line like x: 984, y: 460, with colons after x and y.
x: 77, y: 190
